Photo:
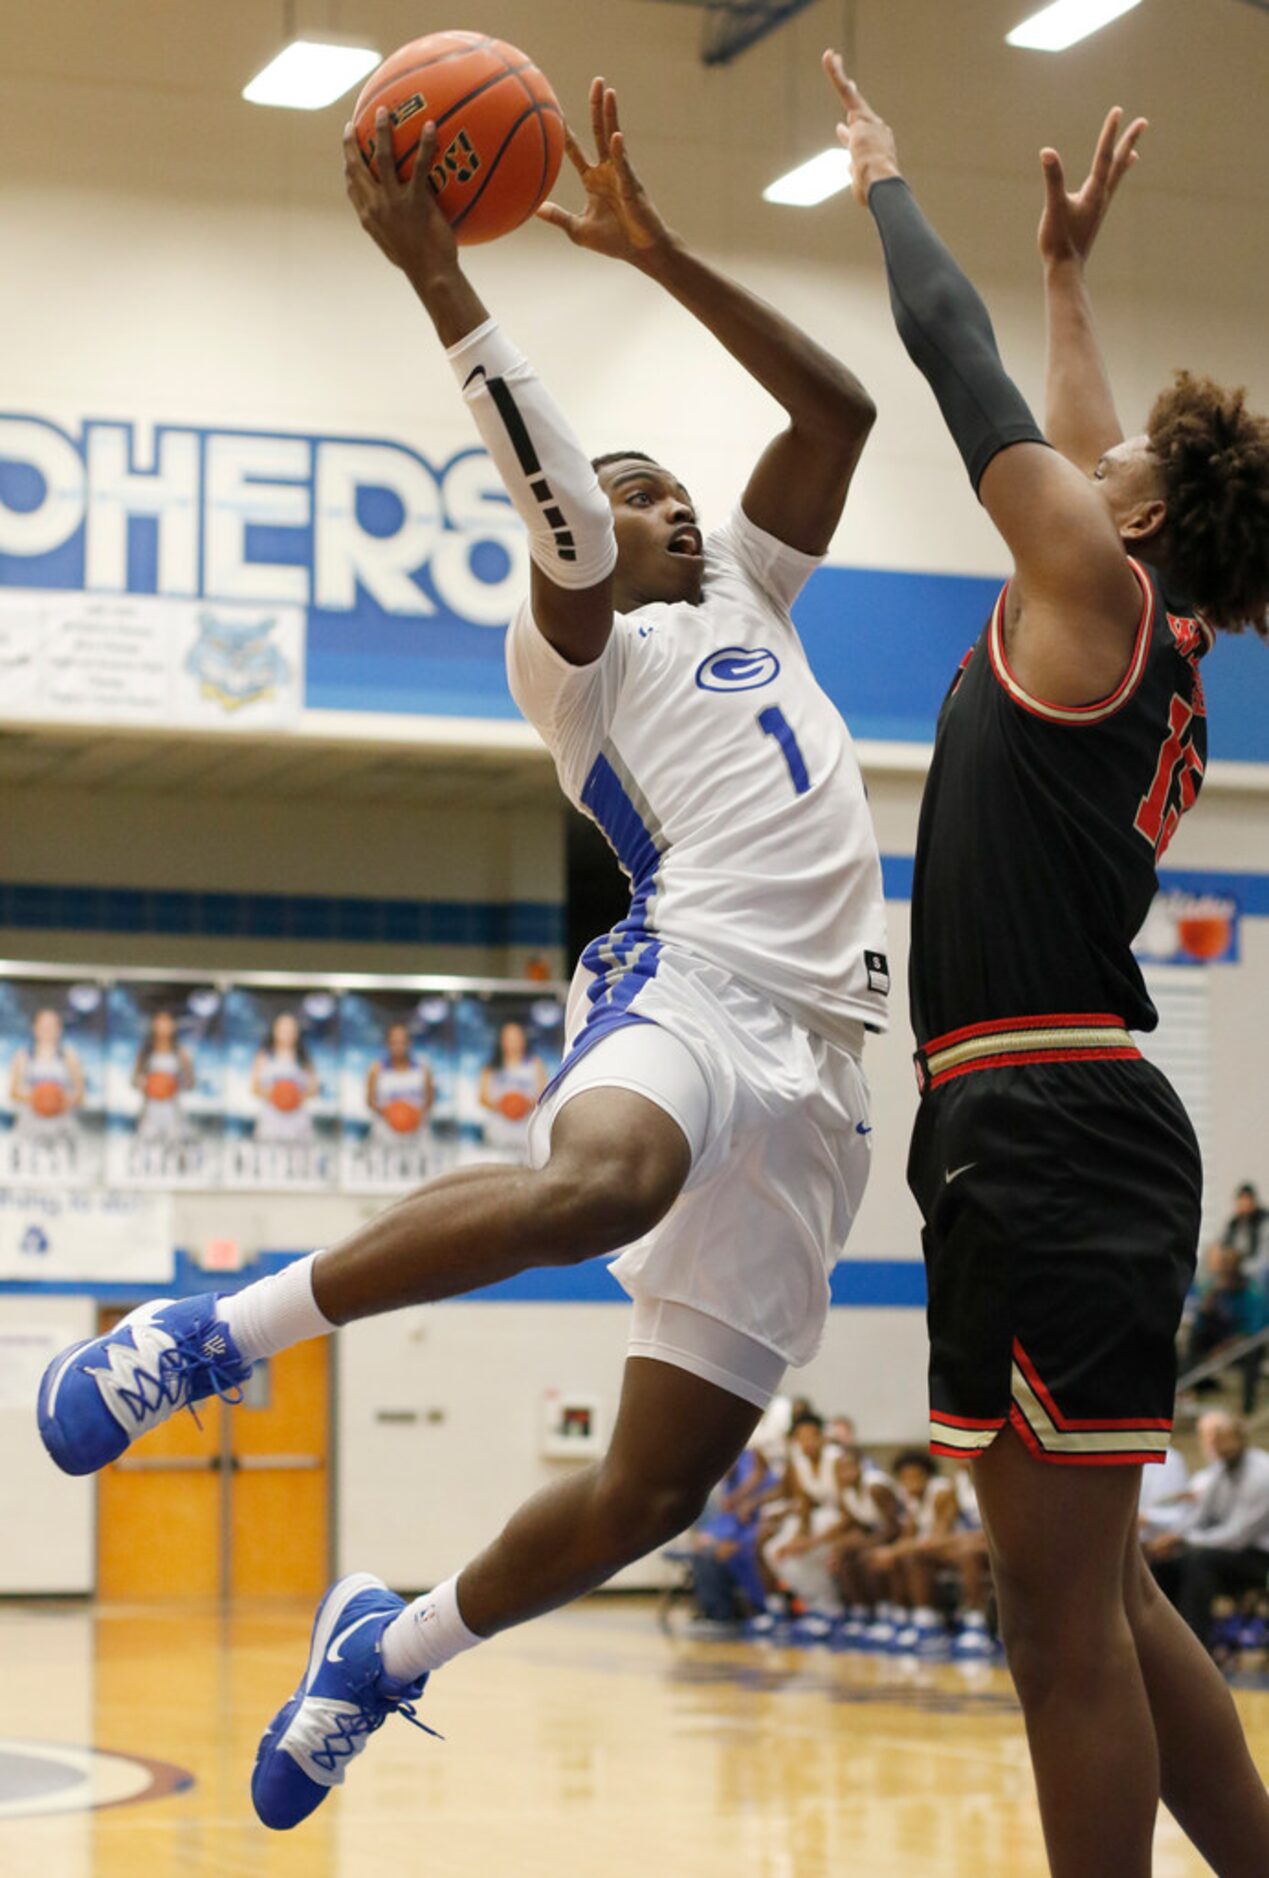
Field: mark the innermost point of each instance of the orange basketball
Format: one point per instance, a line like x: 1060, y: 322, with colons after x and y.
x: 500, y: 130
x: 48, y: 1098
x: 402, y: 1116
x: 286, y: 1095
x: 515, y: 1105
x: 161, y: 1085
x: 1204, y: 935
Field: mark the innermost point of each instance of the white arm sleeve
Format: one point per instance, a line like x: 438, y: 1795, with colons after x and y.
x: 544, y: 469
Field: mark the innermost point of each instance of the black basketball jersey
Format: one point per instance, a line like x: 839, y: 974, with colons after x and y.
x: 1042, y: 826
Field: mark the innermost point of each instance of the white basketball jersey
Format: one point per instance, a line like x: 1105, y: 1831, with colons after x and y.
x: 48, y: 1069
x: 727, y: 784
x: 163, y: 1063
x: 405, y: 1082
x: 818, y: 1479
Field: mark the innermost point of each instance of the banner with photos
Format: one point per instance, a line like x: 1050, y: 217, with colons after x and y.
x: 52, y: 1038
x: 281, y: 1089
x: 509, y: 1047
x: 112, y: 1081
x: 165, y: 1085
x: 397, y: 1076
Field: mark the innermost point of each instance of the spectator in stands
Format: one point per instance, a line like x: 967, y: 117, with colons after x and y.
x: 870, y: 1509
x: 842, y: 1431
x: 772, y: 1433
x: 962, y: 1550
x: 1230, y: 1306
x: 1247, y: 1233
x: 1224, y: 1547
x: 726, y: 1576
x: 906, y: 1617
x: 800, y: 1552
x: 1167, y: 1501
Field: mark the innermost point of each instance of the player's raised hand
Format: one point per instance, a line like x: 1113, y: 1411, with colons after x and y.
x: 868, y: 137
x: 403, y: 218
x: 1069, y: 223
x: 619, y: 218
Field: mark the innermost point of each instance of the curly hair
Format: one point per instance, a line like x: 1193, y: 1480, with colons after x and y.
x: 1214, y: 455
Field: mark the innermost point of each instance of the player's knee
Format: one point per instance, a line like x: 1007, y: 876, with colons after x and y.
x: 648, y: 1513
x: 1057, y: 1644
x: 602, y: 1204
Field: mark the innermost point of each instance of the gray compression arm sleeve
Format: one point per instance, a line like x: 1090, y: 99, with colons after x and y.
x: 948, y: 333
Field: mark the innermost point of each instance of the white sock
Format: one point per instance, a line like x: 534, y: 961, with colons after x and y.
x: 275, y: 1312
x: 926, y: 1616
x: 975, y: 1620
x: 427, y: 1634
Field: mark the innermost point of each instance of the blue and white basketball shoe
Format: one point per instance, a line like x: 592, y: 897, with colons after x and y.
x: 100, y: 1396
x: 344, y: 1697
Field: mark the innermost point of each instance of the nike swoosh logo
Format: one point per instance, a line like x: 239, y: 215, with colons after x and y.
x: 954, y: 1173
x: 477, y: 372
x: 863, y: 1128
x: 334, y: 1654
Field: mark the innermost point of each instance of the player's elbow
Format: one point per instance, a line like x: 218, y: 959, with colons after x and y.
x: 844, y: 412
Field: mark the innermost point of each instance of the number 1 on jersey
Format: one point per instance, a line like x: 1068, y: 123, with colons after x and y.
x: 773, y: 723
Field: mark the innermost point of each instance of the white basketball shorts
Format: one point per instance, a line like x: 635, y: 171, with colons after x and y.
x: 733, y: 1284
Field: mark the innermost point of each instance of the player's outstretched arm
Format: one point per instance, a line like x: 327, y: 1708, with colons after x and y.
x: 1080, y: 415
x: 1075, y: 603
x: 546, y: 472
x: 799, y: 485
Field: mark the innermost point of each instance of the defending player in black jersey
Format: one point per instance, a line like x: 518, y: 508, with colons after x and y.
x: 1056, y: 1170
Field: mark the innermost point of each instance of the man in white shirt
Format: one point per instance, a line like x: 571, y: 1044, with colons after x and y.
x: 1223, y: 1547
x: 711, y: 1115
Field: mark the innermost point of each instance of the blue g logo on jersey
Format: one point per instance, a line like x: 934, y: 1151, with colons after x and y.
x: 737, y: 668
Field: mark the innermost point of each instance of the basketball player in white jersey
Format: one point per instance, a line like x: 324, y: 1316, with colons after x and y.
x: 46, y: 1084
x: 711, y: 1115
x: 510, y: 1083
x: 396, y: 1083
x: 163, y: 1073
x: 284, y: 1082
x: 801, y: 1553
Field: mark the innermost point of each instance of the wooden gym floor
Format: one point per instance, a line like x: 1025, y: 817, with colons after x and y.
x: 587, y: 1745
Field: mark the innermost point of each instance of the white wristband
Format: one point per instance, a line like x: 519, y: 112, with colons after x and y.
x: 543, y: 467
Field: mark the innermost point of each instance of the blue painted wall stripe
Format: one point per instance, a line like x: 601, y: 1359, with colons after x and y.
x: 43, y: 907
x: 40, y: 907
x: 887, y: 1284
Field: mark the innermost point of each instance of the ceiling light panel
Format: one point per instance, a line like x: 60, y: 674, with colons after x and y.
x: 309, y: 74
x: 1056, y: 27
x: 815, y: 181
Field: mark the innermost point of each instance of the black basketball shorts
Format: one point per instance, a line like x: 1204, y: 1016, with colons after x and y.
x: 1061, y: 1202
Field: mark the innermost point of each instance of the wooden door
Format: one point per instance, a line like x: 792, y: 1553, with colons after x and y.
x: 159, y: 1509
x: 235, y: 1503
x: 280, y: 1520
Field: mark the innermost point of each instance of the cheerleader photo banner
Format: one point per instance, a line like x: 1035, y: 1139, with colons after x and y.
x: 397, y: 1089
x: 115, y: 1081
x: 281, y: 1089
x: 509, y: 1047
x: 52, y: 1084
x: 165, y: 1085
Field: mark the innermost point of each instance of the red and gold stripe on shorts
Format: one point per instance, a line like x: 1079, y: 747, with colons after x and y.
x: 1000, y: 1043
x: 1067, y: 1441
